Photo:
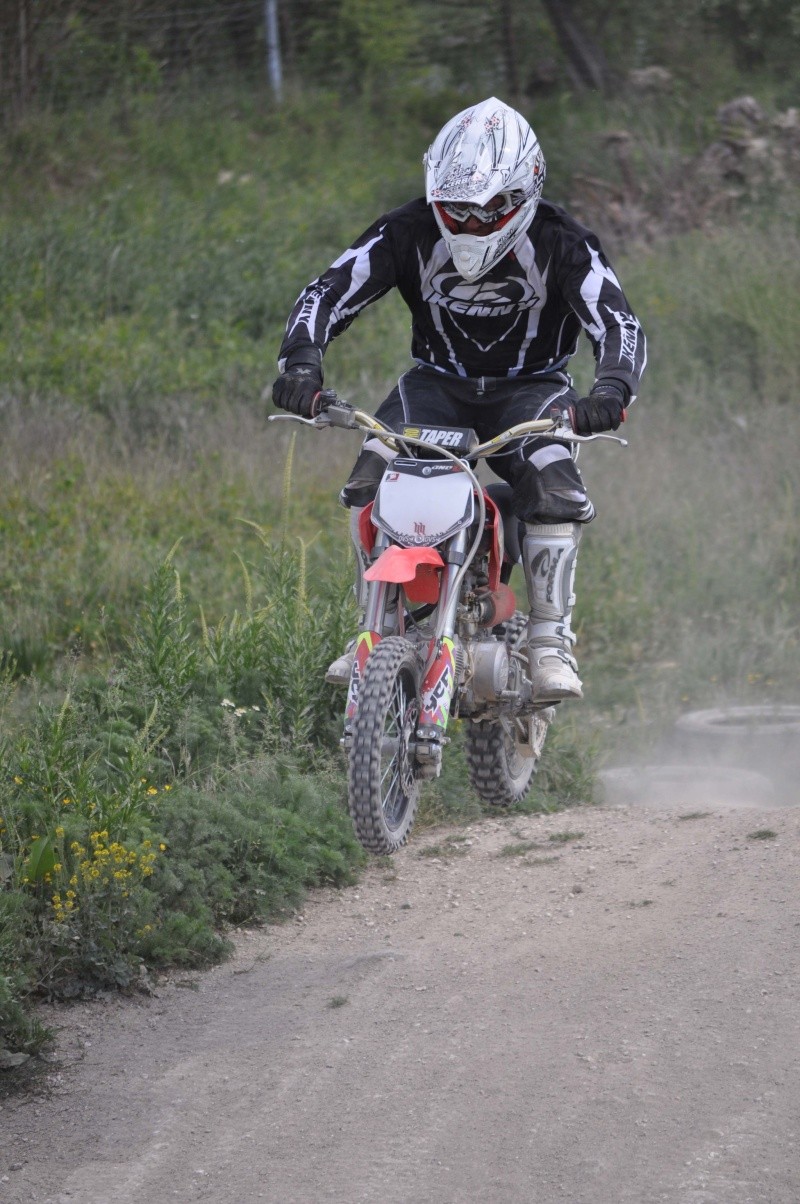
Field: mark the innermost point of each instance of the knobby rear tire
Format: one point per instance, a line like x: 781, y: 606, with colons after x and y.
x: 383, y: 791
x: 499, y: 774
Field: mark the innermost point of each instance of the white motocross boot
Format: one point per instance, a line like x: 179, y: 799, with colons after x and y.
x: 549, y: 553
x: 338, y: 673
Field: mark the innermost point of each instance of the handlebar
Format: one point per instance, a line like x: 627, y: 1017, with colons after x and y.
x: 335, y: 411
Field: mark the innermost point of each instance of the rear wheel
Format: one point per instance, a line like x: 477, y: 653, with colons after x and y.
x: 503, y: 754
x: 383, y: 790
x: 498, y: 753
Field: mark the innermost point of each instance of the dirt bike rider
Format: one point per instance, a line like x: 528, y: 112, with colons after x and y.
x: 499, y: 284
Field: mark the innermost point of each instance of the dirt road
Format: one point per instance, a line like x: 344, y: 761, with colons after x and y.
x: 600, y: 1006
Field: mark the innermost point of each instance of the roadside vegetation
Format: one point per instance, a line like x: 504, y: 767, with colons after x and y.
x: 174, y: 572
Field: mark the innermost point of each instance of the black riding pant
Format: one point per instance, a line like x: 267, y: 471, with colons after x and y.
x: 546, y: 483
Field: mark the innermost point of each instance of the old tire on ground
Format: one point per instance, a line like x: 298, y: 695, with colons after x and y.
x: 383, y: 791
x: 685, y: 786
x: 737, y: 723
x: 763, y: 737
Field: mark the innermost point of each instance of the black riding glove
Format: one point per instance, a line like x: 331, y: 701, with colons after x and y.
x: 602, y: 410
x: 298, y: 391
x: 298, y: 388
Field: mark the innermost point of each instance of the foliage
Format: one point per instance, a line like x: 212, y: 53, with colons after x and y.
x: 142, y: 811
x: 246, y: 849
x: 390, y: 53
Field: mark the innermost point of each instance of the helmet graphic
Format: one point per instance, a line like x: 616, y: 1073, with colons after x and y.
x: 484, y: 164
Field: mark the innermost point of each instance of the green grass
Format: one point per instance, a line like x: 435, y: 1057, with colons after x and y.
x: 519, y: 849
x: 191, y: 786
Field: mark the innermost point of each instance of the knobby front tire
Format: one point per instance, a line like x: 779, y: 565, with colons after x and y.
x: 383, y: 791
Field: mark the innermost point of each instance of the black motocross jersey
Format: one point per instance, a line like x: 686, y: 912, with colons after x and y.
x: 522, y: 318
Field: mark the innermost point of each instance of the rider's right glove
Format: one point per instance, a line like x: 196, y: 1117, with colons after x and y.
x: 299, y: 386
x: 602, y: 410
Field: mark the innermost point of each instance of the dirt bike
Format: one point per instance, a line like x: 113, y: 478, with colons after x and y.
x: 442, y: 636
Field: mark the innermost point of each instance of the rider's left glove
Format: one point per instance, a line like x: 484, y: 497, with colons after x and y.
x: 602, y: 410
x: 299, y: 386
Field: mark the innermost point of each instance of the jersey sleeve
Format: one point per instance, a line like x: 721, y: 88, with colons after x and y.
x: 327, y: 306
x: 591, y: 288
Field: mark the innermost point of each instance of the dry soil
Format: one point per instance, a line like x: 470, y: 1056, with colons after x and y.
x: 599, y: 1006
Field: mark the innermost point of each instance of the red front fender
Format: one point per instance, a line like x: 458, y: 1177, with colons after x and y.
x: 416, y: 569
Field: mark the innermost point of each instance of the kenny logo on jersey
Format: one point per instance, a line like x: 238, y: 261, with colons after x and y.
x: 503, y: 307
x: 441, y: 285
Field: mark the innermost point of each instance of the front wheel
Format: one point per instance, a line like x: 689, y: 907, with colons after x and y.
x: 383, y: 790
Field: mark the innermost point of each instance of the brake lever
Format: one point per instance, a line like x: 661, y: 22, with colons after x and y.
x: 291, y: 418
x: 614, y: 438
x: 564, y: 430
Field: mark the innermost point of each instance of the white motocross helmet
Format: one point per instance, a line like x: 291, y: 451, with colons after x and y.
x: 486, y: 163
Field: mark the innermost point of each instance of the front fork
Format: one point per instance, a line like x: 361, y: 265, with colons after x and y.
x: 441, y: 670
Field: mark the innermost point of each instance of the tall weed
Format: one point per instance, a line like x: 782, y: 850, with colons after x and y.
x: 141, y: 811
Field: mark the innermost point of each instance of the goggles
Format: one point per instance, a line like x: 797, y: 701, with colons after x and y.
x: 491, y: 212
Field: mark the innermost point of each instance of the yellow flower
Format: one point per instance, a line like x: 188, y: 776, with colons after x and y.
x: 59, y: 832
x: 18, y: 780
x: 163, y: 848
x: 152, y: 790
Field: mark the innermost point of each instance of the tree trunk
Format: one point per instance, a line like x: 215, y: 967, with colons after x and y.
x: 24, y: 52
x: 509, y: 49
x: 586, y: 63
